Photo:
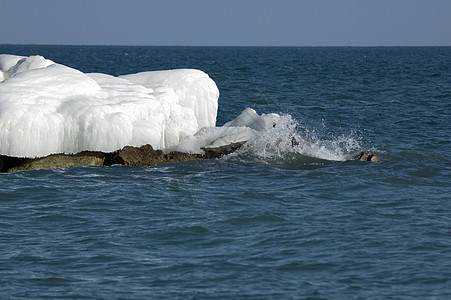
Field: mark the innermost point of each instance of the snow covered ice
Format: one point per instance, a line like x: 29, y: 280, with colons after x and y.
x: 243, y: 128
x: 48, y: 108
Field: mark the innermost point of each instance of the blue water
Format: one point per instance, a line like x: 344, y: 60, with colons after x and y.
x: 273, y: 226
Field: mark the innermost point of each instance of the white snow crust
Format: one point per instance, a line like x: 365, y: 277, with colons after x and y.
x: 246, y: 126
x: 48, y: 108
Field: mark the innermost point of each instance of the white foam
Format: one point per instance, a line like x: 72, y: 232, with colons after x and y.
x: 50, y: 108
x: 279, y: 140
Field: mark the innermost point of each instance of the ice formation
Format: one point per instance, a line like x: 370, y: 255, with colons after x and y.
x: 47, y: 108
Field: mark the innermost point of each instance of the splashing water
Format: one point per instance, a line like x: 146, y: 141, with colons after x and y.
x: 287, y: 144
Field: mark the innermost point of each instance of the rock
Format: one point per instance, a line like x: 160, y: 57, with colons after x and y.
x: 60, y: 161
x: 176, y: 156
x: 367, y: 156
x: 146, y: 156
x: 8, y: 162
x: 143, y: 156
x: 219, y: 152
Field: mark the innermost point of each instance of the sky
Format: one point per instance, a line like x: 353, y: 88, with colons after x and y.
x: 227, y: 22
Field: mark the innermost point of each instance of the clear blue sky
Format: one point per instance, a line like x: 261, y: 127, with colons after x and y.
x: 227, y: 22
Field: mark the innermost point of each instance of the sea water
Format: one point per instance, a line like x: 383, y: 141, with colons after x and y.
x: 262, y: 223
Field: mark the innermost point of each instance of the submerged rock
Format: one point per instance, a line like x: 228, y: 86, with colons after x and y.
x: 367, y: 156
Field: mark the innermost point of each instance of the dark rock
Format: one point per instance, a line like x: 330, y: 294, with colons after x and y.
x: 367, y: 156
x: 146, y: 156
x: 131, y: 156
x: 176, y: 156
x: 8, y: 162
x: 142, y: 156
x: 219, y: 152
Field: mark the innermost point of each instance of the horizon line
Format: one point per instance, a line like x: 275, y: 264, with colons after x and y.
x: 235, y: 46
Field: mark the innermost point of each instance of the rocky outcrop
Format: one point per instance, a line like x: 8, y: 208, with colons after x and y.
x: 54, y: 161
x: 146, y: 156
x: 130, y: 156
x: 143, y: 156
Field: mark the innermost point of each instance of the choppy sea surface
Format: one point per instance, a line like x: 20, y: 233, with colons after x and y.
x: 260, y: 224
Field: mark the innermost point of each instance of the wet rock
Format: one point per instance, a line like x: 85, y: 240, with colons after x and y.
x: 8, y: 162
x: 367, y: 156
x: 131, y: 156
x: 176, y: 156
x: 142, y: 156
x: 59, y: 161
x: 219, y: 152
x: 146, y: 156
